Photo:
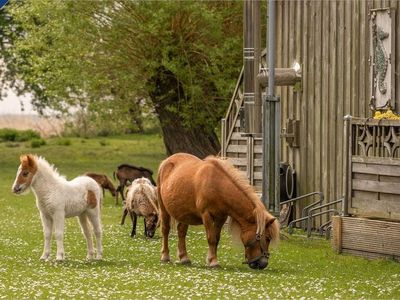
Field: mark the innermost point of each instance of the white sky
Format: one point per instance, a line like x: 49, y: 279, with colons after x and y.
x: 12, y: 105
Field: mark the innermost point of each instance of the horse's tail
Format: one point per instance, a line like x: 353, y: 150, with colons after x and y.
x: 114, y: 175
x: 163, y: 171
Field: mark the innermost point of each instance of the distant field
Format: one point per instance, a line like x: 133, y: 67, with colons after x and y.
x: 300, y: 268
x: 45, y: 126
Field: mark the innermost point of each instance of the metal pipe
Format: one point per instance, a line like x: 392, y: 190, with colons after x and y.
x: 223, y: 137
x: 248, y: 61
x: 308, y: 219
x: 321, y: 228
x: 257, y: 67
x: 303, y: 197
x: 347, y: 157
x: 277, y: 159
x: 271, y: 47
x: 335, y: 211
x: 271, y: 148
x: 306, y: 208
x: 324, y: 205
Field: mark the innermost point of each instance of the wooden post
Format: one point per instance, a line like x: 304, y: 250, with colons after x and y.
x: 337, y: 234
x: 223, y: 137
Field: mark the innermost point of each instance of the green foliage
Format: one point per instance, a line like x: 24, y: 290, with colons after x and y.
x: 12, y: 144
x: 104, y: 143
x: 14, y: 135
x: 298, y: 268
x: 36, y: 143
x: 64, y: 142
x: 102, y: 57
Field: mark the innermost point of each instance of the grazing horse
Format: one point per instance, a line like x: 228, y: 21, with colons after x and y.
x: 141, y: 200
x: 126, y: 173
x: 194, y: 191
x: 103, y: 181
x: 57, y: 199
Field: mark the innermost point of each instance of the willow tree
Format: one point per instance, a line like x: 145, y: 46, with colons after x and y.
x: 181, y: 57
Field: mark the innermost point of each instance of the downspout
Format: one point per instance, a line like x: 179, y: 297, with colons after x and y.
x: 271, y: 125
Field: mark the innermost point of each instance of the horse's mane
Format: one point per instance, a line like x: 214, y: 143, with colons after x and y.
x: 134, y: 167
x: 46, y: 167
x: 241, y: 182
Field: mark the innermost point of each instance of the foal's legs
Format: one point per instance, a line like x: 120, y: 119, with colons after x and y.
x: 120, y: 189
x: 213, y: 231
x: 59, y: 220
x: 94, y: 217
x: 182, y: 254
x: 83, y: 221
x: 134, y: 221
x: 47, y: 223
x: 125, y: 212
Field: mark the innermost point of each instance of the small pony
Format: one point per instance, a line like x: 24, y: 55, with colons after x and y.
x: 103, y: 181
x: 127, y: 173
x: 57, y: 199
x: 141, y: 200
x: 194, y: 191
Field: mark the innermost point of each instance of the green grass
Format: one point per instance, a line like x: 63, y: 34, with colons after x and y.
x: 131, y: 269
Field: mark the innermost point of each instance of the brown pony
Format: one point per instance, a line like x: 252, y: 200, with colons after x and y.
x: 194, y: 191
x: 103, y: 181
x: 127, y: 173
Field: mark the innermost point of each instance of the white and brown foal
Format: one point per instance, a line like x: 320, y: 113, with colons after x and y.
x: 57, y: 199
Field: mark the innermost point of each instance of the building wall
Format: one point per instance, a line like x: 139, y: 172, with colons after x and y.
x: 330, y: 39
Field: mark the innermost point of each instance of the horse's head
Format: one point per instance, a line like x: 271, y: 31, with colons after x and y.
x: 257, y: 245
x: 26, y: 172
x: 151, y: 224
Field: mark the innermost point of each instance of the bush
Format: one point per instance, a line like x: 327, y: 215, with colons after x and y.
x: 36, y: 143
x: 27, y: 135
x: 12, y: 145
x: 13, y: 135
x: 64, y: 142
x: 104, y: 143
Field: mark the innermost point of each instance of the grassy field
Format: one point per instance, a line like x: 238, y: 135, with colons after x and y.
x: 131, y: 269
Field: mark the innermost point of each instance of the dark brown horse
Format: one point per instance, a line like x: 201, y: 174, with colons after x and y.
x: 103, y: 181
x: 126, y: 173
x: 194, y: 191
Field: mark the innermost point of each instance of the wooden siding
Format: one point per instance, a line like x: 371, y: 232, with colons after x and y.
x: 330, y: 40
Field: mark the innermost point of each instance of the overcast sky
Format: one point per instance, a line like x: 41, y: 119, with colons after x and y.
x: 12, y: 105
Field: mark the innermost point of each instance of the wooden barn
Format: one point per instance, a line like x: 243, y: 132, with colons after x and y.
x: 349, y: 54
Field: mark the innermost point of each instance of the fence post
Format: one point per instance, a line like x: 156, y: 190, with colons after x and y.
x: 347, y: 164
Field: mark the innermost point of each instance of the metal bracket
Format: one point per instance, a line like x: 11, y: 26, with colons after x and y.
x: 268, y: 98
x: 292, y: 133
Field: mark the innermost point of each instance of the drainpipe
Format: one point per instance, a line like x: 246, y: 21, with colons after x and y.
x: 271, y: 125
x: 248, y: 65
x: 257, y: 68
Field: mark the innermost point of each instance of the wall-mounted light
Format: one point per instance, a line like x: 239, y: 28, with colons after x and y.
x: 296, y: 67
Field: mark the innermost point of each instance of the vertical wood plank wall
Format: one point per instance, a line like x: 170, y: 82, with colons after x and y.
x: 330, y: 40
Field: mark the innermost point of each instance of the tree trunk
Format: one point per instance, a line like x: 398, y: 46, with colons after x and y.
x: 177, y: 138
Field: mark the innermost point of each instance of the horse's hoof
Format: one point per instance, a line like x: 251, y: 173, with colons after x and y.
x: 214, y: 265
x: 44, y: 257
x: 165, y: 259
x: 60, y: 257
x: 185, y: 261
x: 99, y: 257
